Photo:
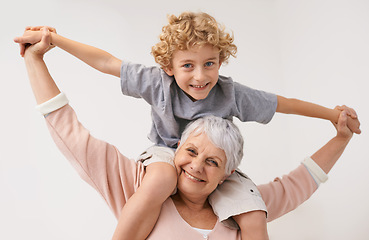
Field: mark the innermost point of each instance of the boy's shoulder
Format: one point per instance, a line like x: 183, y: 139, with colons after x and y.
x: 225, y: 80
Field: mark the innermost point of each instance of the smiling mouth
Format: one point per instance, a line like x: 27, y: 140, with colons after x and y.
x: 192, y: 177
x: 199, y: 86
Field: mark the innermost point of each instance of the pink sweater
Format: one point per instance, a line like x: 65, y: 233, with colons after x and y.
x: 116, y: 178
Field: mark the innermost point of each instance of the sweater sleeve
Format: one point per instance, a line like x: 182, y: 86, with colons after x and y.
x: 287, y: 193
x: 100, y: 164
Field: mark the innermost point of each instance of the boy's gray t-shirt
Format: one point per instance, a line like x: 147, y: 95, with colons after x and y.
x: 172, y: 109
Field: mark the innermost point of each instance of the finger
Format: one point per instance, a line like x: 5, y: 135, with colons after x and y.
x: 358, y: 131
x: 350, y: 112
x: 36, y: 28
x: 51, y: 29
x: 342, y: 120
x: 353, y: 113
x: 45, y: 40
x: 22, y: 40
x: 22, y: 48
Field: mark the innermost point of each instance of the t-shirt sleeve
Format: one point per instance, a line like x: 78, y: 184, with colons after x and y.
x: 141, y: 82
x: 254, y: 105
x: 287, y: 193
x: 100, y: 164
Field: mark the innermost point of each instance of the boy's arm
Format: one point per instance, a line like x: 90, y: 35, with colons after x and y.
x: 299, y: 107
x: 95, y: 57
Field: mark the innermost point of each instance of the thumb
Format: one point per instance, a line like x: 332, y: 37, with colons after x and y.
x: 342, y: 120
x: 45, y: 39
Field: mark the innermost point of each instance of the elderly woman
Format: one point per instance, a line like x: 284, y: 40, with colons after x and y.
x: 210, y: 149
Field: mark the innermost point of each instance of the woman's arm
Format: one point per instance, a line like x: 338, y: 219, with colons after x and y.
x: 95, y: 57
x: 284, y: 195
x: 100, y: 164
x: 328, y: 155
x: 43, y: 86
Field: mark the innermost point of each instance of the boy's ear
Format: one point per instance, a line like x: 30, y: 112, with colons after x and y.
x: 168, y: 71
x: 220, y: 64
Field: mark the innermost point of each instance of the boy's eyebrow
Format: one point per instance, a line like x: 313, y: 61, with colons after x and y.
x: 191, y: 60
x: 212, y: 58
x: 186, y: 60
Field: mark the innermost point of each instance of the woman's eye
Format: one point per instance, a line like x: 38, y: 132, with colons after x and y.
x: 213, y: 162
x: 191, y: 151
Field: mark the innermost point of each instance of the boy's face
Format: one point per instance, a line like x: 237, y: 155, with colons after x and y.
x: 195, y: 70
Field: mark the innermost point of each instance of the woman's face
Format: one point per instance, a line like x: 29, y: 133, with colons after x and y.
x: 200, y: 166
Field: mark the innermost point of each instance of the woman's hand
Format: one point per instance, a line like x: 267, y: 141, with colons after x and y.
x: 38, y: 39
x: 343, y: 130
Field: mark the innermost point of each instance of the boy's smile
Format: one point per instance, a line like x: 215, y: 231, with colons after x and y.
x: 196, y: 70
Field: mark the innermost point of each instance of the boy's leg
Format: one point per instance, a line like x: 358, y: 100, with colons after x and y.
x: 142, y: 210
x: 253, y: 225
x: 238, y: 204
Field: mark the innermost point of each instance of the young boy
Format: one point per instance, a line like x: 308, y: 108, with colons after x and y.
x: 187, y: 86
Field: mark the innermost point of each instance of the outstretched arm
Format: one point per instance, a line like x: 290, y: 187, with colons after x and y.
x: 299, y: 107
x: 43, y: 86
x: 100, y: 164
x: 287, y: 193
x: 95, y: 57
x: 328, y: 155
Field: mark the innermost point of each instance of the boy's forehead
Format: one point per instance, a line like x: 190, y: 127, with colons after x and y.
x: 205, y: 51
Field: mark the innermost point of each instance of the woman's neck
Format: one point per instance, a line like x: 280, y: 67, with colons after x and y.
x: 197, y: 213
x: 195, y: 204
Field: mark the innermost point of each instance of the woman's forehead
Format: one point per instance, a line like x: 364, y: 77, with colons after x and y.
x: 200, y: 139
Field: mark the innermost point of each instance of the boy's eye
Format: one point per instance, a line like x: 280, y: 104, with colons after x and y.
x: 209, y: 64
x: 187, y: 65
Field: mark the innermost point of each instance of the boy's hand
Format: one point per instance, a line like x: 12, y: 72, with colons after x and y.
x: 31, y: 36
x: 40, y: 48
x: 352, y: 121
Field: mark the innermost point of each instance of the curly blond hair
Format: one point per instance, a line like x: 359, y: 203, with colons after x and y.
x: 191, y: 30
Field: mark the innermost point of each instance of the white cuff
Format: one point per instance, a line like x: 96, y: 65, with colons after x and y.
x: 52, y: 104
x: 316, y: 172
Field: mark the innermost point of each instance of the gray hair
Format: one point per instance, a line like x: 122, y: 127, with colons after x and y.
x: 222, y: 133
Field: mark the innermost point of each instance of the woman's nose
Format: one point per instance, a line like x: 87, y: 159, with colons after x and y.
x: 197, y: 165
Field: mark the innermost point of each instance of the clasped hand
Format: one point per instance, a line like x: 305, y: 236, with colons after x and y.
x: 35, y: 40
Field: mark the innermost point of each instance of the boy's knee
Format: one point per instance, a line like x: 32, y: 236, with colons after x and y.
x: 163, y: 171
x: 163, y: 177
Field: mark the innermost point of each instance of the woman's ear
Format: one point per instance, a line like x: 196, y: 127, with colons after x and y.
x: 225, y: 177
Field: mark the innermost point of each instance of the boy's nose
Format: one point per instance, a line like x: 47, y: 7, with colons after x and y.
x: 199, y: 74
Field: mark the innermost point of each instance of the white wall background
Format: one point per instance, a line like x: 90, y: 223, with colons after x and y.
x: 313, y: 50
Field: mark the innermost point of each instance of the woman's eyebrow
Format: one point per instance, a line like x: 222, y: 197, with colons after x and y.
x: 191, y: 145
x: 216, y: 157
